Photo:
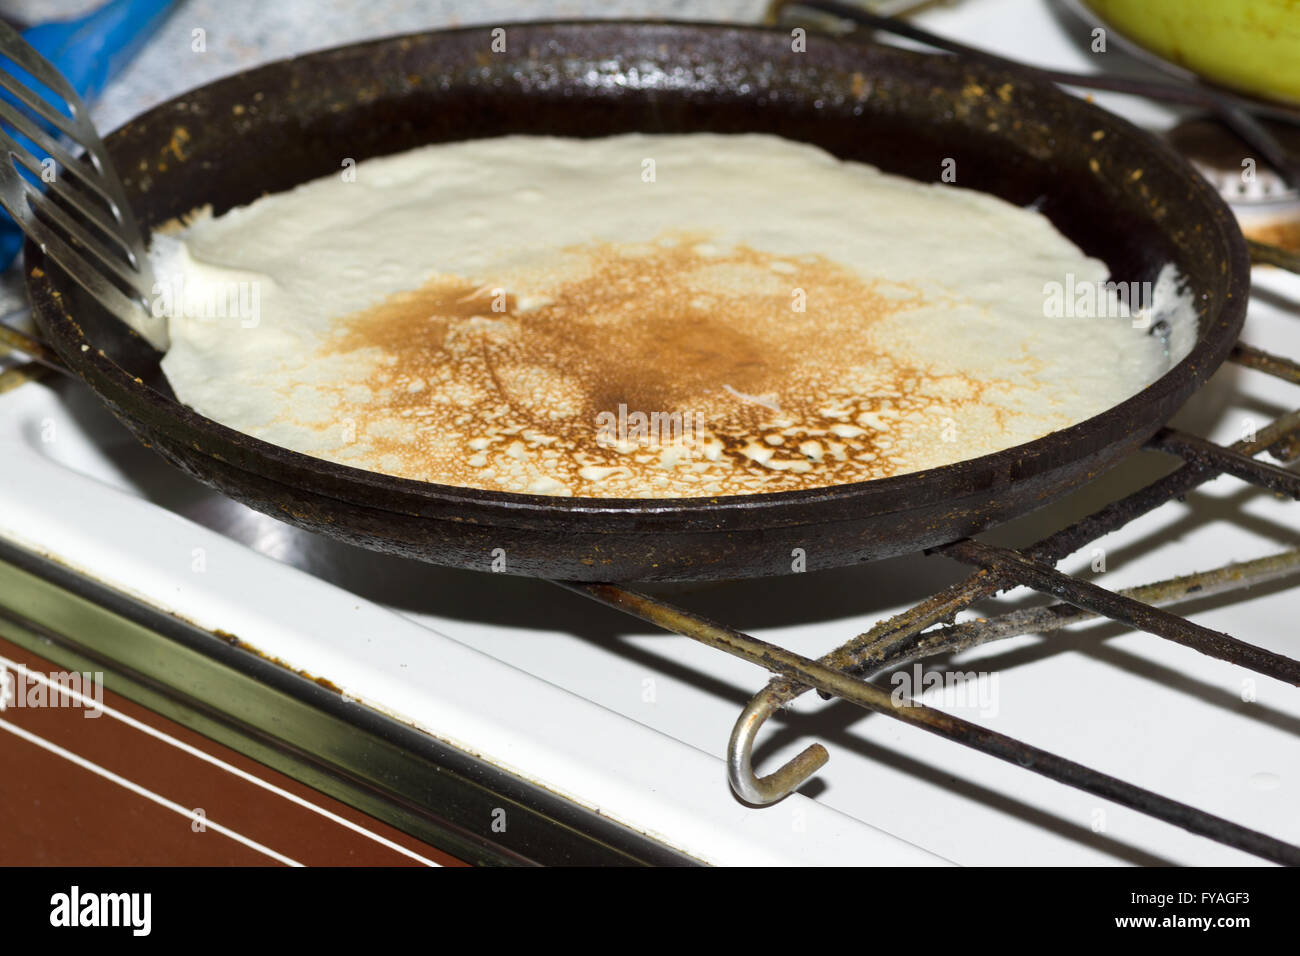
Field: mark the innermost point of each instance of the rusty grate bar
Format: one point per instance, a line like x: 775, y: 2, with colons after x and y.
x: 11, y: 378
x: 1287, y: 449
x: 1136, y: 614
x: 1176, y: 484
x: 1198, y: 451
x: 1235, y: 576
x: 815, y: 674
x: 22, y: 342
x: 1275, y: 365
x: 846, y: 671
x: 898, y: 636
x: 1266, y: 254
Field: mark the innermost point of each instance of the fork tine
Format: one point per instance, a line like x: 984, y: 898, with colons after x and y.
x: 76, y: 127
x: 40, y: 69
x: 58, y: 187
x: 86, y: 275
x: 33, y: 131
x: 54, y: 216
x: 38, y: 104
x: 81, y: 219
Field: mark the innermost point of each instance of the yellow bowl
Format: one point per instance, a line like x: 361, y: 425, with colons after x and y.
x: 1249, y: 45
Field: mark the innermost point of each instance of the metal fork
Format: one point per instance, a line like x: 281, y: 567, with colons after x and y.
x: 81, y: 218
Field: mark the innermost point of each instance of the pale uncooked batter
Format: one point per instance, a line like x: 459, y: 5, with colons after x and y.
x: 639, y: 316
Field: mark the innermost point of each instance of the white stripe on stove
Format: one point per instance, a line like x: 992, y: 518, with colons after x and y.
x: 134, y: 787
x: 217, y: 762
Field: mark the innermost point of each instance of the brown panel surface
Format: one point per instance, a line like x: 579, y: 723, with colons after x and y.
x: 56, y: 812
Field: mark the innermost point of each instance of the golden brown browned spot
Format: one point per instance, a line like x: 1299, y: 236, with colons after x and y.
x: 409, y: 324
x: 765, y: 354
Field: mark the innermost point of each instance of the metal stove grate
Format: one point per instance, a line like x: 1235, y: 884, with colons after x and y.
x: 929, y: 628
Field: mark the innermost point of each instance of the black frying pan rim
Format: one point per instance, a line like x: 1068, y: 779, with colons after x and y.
x: 965, y: 477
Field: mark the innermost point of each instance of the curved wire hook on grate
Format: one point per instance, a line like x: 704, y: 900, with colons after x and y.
x: 904, y: 638
x: 805, y: 673
x: 783, y: 781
